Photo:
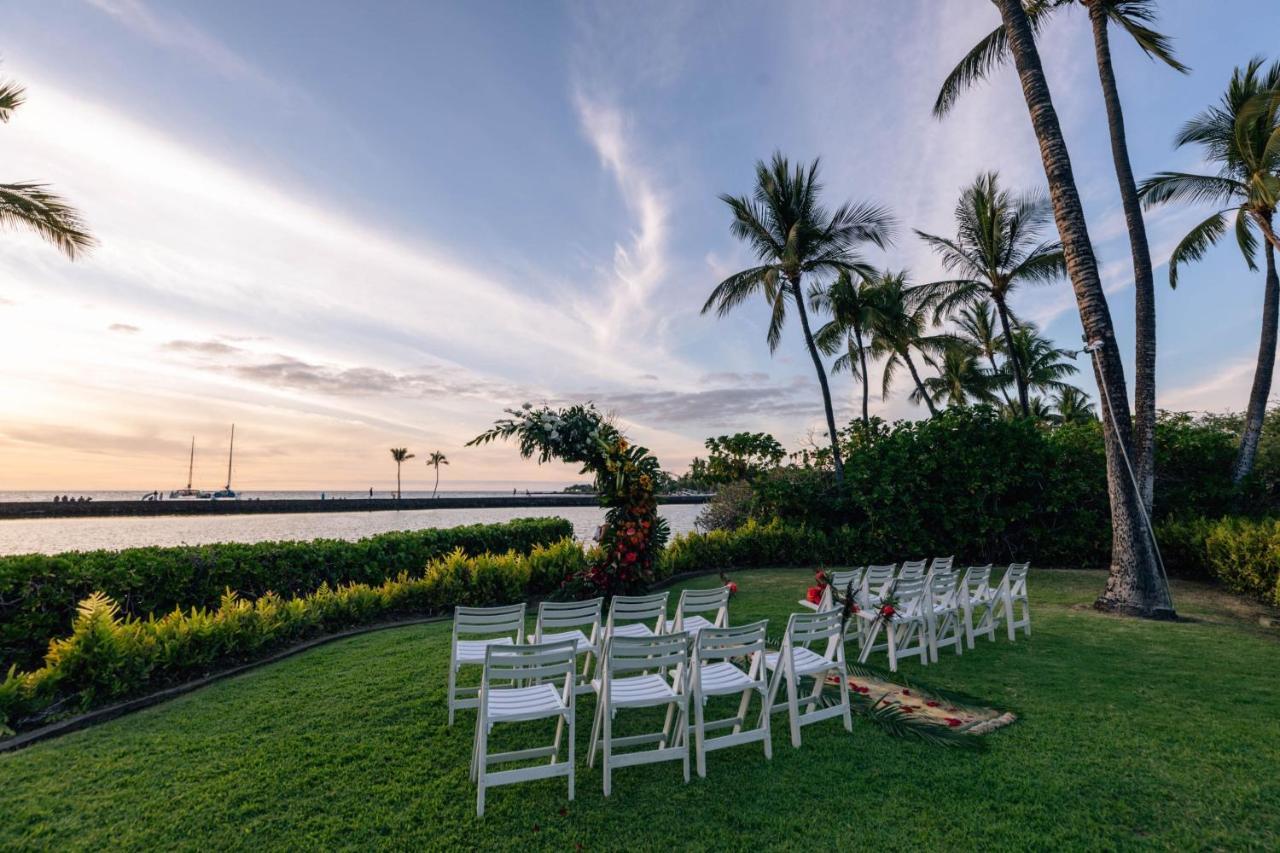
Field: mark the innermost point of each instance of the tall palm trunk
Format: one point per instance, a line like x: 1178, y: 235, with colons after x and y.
x: 397, y: 481
x: 822, y: 380
x: 866, y: 383
x: 995, y: 369
x: 436, y: 487
x: 1261, y: 391
x: 1144, y: 373
x: 911, y: 366
x: 1019, y: 379
x: 1135, y: 585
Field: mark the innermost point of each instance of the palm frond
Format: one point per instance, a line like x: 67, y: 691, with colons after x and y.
x: 1197, y: 189
x: 1245, y: 238
x: 1193, y: 246
x: 737, y: 288
x: 12, y: 96
x: 33, y: 206
x: 1133, y: 16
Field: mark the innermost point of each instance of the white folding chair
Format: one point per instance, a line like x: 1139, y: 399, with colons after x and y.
x: 943, y: 612
x: 1012, y: 592
x: 905, y: 632
x: 714, y: 672
x: 911, y: 570
x: 941, y: 564
x: 615, y: 689
x: 694, y: 602
x: 629, y: 615
x: 840, y: 580
x: 575, y: 615
x: 796, y: 660
x: 536, y: 666
x: 978, y: 603
x: 493, y: 626
x: 875, y: 581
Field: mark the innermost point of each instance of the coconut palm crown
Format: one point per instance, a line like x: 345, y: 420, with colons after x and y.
x: 794, y: 237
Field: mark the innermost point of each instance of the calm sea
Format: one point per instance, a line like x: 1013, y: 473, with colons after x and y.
x: 52, y: 535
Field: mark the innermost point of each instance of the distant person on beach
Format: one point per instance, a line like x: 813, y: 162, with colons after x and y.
x: 371, y: 491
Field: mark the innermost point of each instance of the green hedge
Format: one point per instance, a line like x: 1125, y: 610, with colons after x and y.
x: 756, y: 545
x: 39, y: 593
x: 1243, y: 554
x: 111, y: 655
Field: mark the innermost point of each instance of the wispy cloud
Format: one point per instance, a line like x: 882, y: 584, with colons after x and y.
x: 166, y: 28
x: 639, y: 263
x: 124, y: 328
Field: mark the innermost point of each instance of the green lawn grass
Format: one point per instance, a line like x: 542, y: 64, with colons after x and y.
x: 1132, y: 734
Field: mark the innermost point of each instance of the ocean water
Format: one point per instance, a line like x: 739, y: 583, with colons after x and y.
x: 53, y: 535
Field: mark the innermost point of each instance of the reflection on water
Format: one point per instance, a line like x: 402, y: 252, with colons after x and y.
x: 52, y: 535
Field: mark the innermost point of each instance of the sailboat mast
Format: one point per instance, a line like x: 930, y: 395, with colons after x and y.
x: 191, y: 465
x: 230, y: 453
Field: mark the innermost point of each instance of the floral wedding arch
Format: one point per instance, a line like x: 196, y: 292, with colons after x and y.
x: 625, y: 477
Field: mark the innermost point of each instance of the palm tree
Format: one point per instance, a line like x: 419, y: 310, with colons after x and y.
x: 961, y: 378
x: 1134, y: 17
x: 848, y: 300
x: 976, y: 324
x: 1135, y: 584
x: 1072, y: 406
x: 401, y: 455
x: 793, y: 236
x: 435, y: 460
x: 1045, y: 366
x: 1241, y: 135
x: 32, y: 205
x: 997, y: 248
x: 898, y: 323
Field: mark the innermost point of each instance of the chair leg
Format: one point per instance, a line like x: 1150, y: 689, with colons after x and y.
x: 766, y: 724
x: 453, y: 685
x: 793, y: 708
x: 595, y: 735
x: 572, y: 732
x: 606, y: 725
x: 844, y: 700
x: 700, y: 735
x: 1008, y: 604
x: 555, y: 747
x: 890, y: 632
x: 682, y: 720
x: 482, y: 759
x: 742, y: 711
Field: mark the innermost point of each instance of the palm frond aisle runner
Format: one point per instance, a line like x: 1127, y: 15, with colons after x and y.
x: 908, y: 709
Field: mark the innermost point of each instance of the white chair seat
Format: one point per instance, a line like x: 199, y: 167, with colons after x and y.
x: 584, y: 644
x: 515, y: 703
x: 719, y: 679
x: 638, y: 691
x: 637, y: 629
x: 694, y: 624
x: 472, y: 651
x: 807, y: 661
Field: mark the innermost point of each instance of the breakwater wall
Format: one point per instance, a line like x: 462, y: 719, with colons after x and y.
x: 145, y: 509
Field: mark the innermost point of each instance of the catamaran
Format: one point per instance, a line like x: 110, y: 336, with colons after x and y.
x: 226, y: 492
x: 189, y: 493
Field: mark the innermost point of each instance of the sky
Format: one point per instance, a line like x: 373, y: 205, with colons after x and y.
x: 347, y: 227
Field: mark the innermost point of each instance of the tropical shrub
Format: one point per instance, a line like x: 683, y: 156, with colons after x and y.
x: 729, y: 507
x: 110, y: 654
x: 38, y: 593
x: 626, y: 477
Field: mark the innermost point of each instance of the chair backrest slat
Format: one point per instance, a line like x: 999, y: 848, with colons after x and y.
x: 841, y: 578
x: 638, y: 608
x: 941, y: 563
x: 726, y: 643
x: 877, y: 578
x: 628, y: 654
x: 540, y: 660
x: 912, y: 569
x: 805, y: 628
x: 488, y: 620
x: 569, y: 614
x: 1015, y: 578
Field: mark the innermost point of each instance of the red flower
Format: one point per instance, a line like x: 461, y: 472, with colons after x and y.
x: 887, y: 611
x: 631, y: 557
x: 814, y: 595
x: 733, y: 587
x: 907, y: 709
x: 952, y: 721
x: 906, y: 692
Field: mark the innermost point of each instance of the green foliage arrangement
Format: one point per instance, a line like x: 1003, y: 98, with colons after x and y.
x: 110, y: 654
x: 38, y: 593
x: 626, y: 476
